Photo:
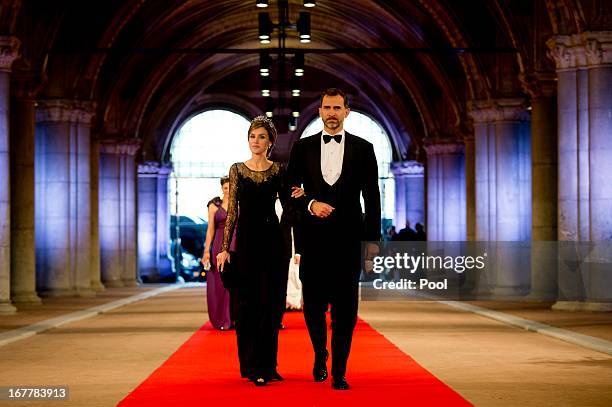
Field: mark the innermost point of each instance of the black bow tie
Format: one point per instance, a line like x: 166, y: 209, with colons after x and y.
x: 327, y: 138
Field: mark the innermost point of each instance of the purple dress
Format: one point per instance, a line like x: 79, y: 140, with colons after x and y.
x: 217, y: 296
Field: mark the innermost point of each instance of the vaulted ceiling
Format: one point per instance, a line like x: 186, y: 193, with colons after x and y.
x: 150, y: 64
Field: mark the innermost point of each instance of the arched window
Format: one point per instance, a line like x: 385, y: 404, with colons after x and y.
x: 202, y: 151
x: 367, y: 128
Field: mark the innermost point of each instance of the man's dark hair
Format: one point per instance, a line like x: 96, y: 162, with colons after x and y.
x: 335, y: 92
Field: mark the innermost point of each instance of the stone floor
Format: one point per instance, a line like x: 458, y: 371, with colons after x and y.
x: 54, y: 307
x: 102, y: 358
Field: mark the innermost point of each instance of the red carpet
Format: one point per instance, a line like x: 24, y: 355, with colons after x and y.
x: 204, y: 371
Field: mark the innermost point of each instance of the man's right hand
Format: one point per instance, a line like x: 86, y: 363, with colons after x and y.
x: 321, y: 209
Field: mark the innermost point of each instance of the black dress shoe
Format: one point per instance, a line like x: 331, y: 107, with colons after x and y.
x: 340, y: 384
x: 319, y: 371
x: 319, y: 374
x: 276, y: 377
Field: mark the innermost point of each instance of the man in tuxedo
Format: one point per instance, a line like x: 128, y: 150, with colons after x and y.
x: 335, y: 168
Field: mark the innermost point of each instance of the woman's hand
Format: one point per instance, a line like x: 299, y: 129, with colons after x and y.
x: 297, y: 192
x: 221, y: 259
x: 296, y: 259
x: 205, y: 258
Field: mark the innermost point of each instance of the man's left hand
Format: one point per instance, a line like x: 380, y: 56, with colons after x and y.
x: 371, y: 250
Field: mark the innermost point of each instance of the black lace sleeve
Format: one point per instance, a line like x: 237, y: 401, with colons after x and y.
x: 232, y: 210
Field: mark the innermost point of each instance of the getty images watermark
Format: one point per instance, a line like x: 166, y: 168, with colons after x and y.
x: 421, y: 263
x: 487, y: 270
x: 398, y: 270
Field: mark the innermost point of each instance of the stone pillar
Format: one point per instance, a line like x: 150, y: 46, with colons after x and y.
x: 23, y: 250
x: 599, y: 59
x: 470, y: 186
x: 164, y: 264
x: 118, y: 213
x: 572, y: 140
x: 584, y: 70
x: 502, y: 170
x: 542, y: 89
x: 110, y: 243
x: 129, y: 214
x: 409, y: 193
x: 446, y: 210
x: 81, y: 204
x: 95, y: 273
x: 503, y: 188
x: 153, y: 226
x: 63, y: 236
x: 9, y: 47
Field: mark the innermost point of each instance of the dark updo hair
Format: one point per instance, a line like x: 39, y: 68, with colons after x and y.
x: 266, y: 123
x: 224, y: 180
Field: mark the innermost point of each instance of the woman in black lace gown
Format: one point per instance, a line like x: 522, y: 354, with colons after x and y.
x: 260, y: 258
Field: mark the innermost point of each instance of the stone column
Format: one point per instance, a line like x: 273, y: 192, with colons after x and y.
x: 446, y: 210
x: 470, y: 186
x: 63, y: 236
x: 542, y: 89
x: 502, y: 170
x: 118, y: 213
x: 572, y: 91
x: 164, y: 265
x: 409, y: 192
x: 129, y: 214
x: 153, y: 262
x: 81, y: 129
x: 9, y: 47
x: 110, y: 239
x: 23, y: 250
x: 503, y: 188
x: 584, y: 70
x: 95, y: 273
x: 599, y: 59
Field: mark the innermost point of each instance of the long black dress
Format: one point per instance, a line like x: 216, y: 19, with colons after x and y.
x: 261, y: 262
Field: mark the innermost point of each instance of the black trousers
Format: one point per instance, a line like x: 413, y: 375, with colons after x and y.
x: 340, y: 290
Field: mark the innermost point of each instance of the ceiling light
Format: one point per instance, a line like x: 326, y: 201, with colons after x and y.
x: 303, y: 26
x: 298, y: 64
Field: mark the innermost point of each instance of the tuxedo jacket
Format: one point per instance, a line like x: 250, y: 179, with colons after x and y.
x: 359, y: 176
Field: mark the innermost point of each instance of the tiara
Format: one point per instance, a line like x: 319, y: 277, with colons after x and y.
x: 264, y: 120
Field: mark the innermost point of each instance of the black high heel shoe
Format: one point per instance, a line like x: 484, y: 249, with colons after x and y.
x: 260, y: 381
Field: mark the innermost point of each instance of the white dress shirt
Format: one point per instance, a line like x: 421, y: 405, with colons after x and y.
x: 332, y: 154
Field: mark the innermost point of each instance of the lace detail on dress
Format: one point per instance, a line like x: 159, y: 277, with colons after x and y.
x: 232, y: 209
x: 237, y: 172
x: 257, y: 176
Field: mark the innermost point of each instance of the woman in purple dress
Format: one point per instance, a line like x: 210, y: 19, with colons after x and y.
x: 217, y: 296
